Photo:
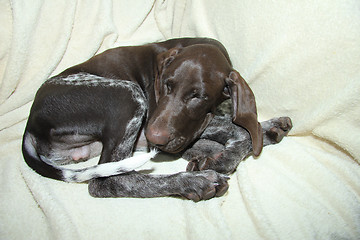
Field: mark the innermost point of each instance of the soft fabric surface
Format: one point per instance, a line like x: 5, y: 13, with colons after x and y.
x: 301, y: 59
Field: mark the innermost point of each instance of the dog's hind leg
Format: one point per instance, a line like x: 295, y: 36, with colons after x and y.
x: 196, y: 186
x: 120, y: 138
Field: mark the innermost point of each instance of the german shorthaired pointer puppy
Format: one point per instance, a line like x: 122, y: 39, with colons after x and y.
x: 166, y: 91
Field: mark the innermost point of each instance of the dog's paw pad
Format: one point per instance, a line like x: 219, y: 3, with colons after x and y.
x: 209, y: 194
x: 280, y: 128
x: 285, y: 124
x: 192, y: 196
x: 222, y: 189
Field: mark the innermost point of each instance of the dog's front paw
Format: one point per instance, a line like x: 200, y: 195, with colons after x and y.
x: 224, y: 162
x: 276, y: 129
x: 203, y: 185
x: 199, y: 163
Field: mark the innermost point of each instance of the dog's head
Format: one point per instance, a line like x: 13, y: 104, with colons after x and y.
x: 190, y: 83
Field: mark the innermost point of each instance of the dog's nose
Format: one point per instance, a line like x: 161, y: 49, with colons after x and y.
x: 159, y: 137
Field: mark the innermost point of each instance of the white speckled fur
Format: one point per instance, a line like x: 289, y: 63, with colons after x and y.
x: 112, y: 168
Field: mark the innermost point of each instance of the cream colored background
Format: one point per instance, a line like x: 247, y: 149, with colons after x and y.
x: 301, y: 58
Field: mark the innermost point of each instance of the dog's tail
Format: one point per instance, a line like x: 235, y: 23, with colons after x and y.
x: 48, y: 170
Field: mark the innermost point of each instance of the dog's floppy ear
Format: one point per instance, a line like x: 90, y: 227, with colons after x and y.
x: 244, y: 109
x: 163, y: 60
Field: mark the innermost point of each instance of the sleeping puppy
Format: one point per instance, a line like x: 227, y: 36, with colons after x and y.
x: 165, y: 91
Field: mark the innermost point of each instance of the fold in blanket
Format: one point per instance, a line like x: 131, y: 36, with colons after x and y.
x: 301, y: 60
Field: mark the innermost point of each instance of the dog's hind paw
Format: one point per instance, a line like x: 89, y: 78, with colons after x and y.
x: 203, y: 185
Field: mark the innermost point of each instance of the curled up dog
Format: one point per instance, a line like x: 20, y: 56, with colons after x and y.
x: 163, y: 92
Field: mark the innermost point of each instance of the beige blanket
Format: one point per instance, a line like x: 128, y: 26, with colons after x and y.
x: 301, y: 58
